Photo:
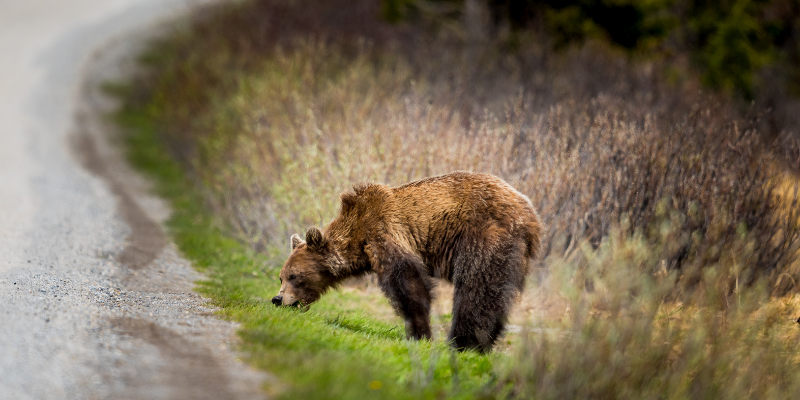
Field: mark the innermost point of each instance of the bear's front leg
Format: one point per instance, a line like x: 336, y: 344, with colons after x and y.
x: 402, y: 277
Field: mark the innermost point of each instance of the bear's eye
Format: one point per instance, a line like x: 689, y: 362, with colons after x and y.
x: 292, y: 277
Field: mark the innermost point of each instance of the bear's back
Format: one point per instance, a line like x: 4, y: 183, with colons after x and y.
x: 463, y: 195
x: 437, y: 214
x: 437, y: 218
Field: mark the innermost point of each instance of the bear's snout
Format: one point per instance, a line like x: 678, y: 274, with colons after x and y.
x: 277, y: 300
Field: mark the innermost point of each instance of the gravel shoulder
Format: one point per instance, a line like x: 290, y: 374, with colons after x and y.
x: 96, y: 301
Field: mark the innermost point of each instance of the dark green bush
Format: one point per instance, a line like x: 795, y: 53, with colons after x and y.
x: 729, y: 40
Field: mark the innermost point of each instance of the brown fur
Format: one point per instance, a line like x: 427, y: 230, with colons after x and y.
x: 473, y: 230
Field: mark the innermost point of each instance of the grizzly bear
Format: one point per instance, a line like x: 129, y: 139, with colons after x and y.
x: 473, y: 230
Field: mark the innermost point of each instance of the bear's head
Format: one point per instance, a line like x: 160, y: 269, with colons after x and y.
x: 309, y: 271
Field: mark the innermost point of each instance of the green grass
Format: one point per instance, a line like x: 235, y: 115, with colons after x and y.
x: 335, y: 350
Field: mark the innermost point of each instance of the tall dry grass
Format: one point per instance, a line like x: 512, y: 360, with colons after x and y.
x: 278, y: 106
x: 315, y: 117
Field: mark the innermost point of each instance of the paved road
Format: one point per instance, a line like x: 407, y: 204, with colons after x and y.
x: 95, y: 302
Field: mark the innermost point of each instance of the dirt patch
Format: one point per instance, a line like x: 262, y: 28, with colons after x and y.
x: 200, y: 376
x: 147, y: 239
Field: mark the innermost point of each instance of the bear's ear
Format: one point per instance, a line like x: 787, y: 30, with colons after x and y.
x: 296, y: 241
x: 349, y: 200
x: 314, y: 239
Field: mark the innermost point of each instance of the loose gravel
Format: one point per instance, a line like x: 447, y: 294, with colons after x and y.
x: 95, y: 302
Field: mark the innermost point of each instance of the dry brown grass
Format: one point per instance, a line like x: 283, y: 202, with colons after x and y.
x: 295, y: 107
x: 281, y: 109
x: 312, y: 121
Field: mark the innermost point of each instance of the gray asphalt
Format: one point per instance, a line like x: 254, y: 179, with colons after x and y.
x: 95, y: 302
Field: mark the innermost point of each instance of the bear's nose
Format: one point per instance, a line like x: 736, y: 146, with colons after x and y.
x: 277, y: 300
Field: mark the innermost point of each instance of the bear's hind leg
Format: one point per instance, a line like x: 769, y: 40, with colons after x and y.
x: 478, y: 323
x: 485, y: 289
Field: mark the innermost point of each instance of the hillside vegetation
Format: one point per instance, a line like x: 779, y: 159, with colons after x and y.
x: 670, y: 266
